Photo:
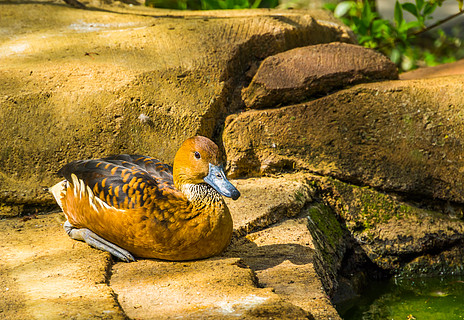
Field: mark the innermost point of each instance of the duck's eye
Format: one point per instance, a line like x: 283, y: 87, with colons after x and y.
x: 197, y: 155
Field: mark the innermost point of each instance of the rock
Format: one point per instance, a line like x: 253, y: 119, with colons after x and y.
x: 399, y: 237
x: 329, y: 238
x: 273, y: 268
x: 447, y: 69
x: 297, y: 257
x: 46, y: 275
x: 267, y: 200
x: 402, y: 136
x: 226, y: 290
x: 445, y: 262
x: 303, y: 73
x: 89, y: 83
x: 284, y: 258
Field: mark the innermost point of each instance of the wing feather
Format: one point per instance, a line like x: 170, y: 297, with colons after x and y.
x: 123, y: 181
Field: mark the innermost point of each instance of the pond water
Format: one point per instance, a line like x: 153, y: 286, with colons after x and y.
x: 437, y: 298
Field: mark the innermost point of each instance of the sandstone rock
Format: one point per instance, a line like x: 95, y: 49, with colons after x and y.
x: 447, y: 69
x: 303, y: 73
x: 89, y: 83
x: 226, y: 290
x: 446, y: 262
x: 400, y: 237
x: 284, y: 257
x: 404, y: 136
x: 265, y: 201
x: 46, y: 275
x: 329, y: 238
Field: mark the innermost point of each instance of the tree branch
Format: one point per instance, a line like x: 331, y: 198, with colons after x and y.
x: 437, y: 24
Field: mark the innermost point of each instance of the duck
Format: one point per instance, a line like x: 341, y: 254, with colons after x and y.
x: 137, y: 206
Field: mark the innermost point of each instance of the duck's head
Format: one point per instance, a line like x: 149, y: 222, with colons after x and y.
x: 198, y: 161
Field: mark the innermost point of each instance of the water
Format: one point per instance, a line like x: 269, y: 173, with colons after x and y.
x: 439, y: 298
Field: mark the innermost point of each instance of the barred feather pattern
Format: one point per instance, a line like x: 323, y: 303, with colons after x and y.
x: 201, y: 195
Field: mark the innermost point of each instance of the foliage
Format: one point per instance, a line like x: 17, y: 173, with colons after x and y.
x: 211, y: 4
x: 406, y: 43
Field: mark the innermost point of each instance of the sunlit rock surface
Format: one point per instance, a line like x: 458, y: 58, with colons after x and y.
x: 404, y: 136
x: 309, y: 72
x: 375, y: 183
x: 89, y: 83
x: 276, y: 271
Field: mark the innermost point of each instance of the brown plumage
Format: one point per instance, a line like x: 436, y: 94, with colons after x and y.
x: 149, y: 208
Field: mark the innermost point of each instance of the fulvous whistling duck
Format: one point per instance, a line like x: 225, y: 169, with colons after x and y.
x: 131, y: 205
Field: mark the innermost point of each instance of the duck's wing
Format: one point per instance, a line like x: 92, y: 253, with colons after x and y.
x: 151, y: 165
x: 123, y: 182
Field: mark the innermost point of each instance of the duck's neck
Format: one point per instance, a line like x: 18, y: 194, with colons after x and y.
x: 201, y: 194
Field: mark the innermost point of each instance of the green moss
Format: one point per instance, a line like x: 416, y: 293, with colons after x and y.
x: 363, y: 208
x: 327, y: 226
x: 407, y: 119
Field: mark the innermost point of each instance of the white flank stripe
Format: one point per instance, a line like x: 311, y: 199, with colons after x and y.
x: 75, y: 183
x: 82, y: 188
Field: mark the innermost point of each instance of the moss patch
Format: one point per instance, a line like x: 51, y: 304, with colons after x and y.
x: 328, y: 238
x: 392, y: 232
x: 363, y: 208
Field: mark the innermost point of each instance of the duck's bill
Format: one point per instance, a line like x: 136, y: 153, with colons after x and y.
x: 216, y: 178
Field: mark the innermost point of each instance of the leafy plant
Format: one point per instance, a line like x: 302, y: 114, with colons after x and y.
x: 404, y: 42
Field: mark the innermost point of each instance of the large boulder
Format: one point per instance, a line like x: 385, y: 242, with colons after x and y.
x: 400, y: 236
x: 300, y: 74
x: 403, y: 136
x: 89, y: 83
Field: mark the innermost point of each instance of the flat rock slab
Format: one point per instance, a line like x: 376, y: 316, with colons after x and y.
x: 210, y: 289
x: 446, y: 69
x: 300, y: 74
x: 82, y: 84
x: 271, y: 269
x: 267, y: 200
x: 404, y: 136
x: 283, y: 257
x: 46, y: 275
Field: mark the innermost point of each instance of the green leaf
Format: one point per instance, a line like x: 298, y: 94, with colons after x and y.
x: 398, y: 14
x: 460, y: 4
x: 412, y: 9
x: 429, y: 8
x: 364, y: 39
x: 395, y: 56
x: 256, y: 4
x: 419, y: 5
x: 414, y: 25
x: 343, y: 8
x: 366, y: 10
x: 379, y: 27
